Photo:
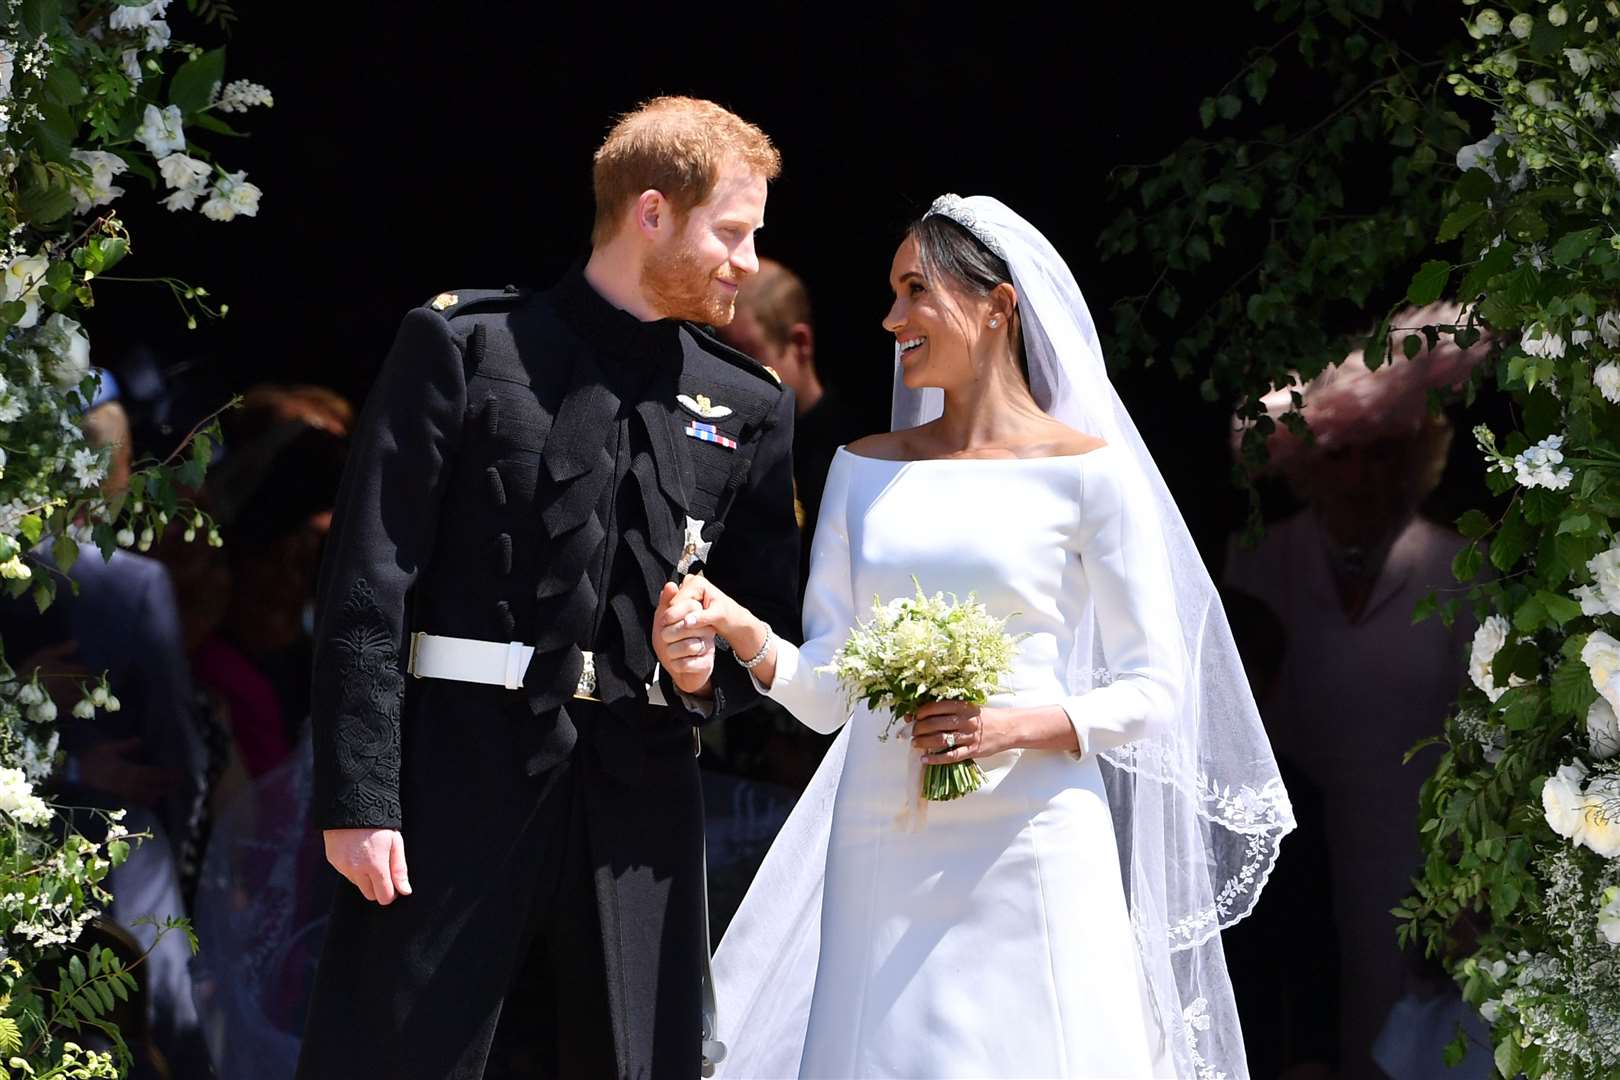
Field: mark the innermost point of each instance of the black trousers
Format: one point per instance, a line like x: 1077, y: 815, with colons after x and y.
x: 494, y: 966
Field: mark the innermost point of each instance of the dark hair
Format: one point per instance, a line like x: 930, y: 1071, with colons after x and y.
x: 949, y: 252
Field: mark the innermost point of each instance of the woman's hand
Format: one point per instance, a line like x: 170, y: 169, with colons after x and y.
x: 946, y: 732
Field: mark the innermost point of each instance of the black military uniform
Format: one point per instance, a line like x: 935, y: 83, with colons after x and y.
x: 525, y: 470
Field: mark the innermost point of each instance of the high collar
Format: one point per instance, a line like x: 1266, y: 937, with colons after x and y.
x: 612, y: 329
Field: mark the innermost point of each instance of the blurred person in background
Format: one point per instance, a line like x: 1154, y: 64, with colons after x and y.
x: 1360, y: 683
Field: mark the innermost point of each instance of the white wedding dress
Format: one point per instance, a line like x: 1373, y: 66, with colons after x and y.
x: 988, y: 936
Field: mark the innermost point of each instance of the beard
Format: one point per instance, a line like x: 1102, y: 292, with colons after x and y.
x: 681, y: 287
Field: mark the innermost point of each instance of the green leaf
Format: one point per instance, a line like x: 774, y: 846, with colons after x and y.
x: 1560, y: 608
x: 1523, y: 707
x: 1572, y: 247
x: 1530, y: 616
x: 66, y: 552
x: 1526, y: 225
x: 1412, y: 345
x: 1206, y: 112
x: 1576, y: 525
x: 1429, y: 282
x: 1507, y: 1056
x: 1465, y: 567
x: 40, y: 16
x: 1425, y: 608
x: 76, y: 970
x: 32, y: 526
x: 54, y: 133
x: 1473, y: 525
x: 1497, y: 260
x: 195, y: 80
x: 1510, y: 542
x: 117, y: 851
x: 1228, y: 105
x: 1572, y: 690
x: 1458, y: 221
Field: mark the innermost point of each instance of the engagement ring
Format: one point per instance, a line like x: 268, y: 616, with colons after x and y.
x: 950, y: 740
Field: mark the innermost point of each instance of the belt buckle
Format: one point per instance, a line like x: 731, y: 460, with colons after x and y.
x: 410, y: 664
x: 586, y: 690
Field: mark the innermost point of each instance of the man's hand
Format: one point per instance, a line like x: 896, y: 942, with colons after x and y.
x: 685, y: 651
x: 372, y: 859
x: 110, y: 766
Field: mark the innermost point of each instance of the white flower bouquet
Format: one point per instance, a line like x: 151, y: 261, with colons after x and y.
x: 920, y: 649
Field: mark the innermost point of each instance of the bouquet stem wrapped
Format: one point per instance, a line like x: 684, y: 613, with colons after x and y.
x: 920, y: 649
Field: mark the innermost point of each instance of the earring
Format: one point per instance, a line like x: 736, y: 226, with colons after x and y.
x: 995, y: 322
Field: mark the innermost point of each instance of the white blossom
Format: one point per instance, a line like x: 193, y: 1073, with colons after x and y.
x: 84, y: 710
x: 242, y: 95
x: 17, y: 798
x: 131, y: 62
x: 1522, y: 24
x: 137, y: 18
x: 1609, y: 916
x: 162, y: 131
x: 43, y: 713
x: 113, y: 704
x: 1608, y: 325
x: 1490, y: 1010
x: 232, y: 196
x: 1478, y: 155
x: 1488, y: 641
x: 103, y: 165
x: 125, y: 537
x: 39, y: 759
x: 88, y: 468
x: 157, y: 35
x: 1540, y: 92
x: 31, y: 694
x: 184, y: 172
x: 1542, y: 465
x: 1558, y: 15
x: 8, y: 64
x: 67, y: 359
x: 1592, y: 105
x: 1601, y: 829
x: 24, y: 275
x: 1602, y: 730
x: 1542, y: 342
x: 184, y: 199
x: 14, y: 569
x: 1579, y: 60
x: 1488, y: 23
x: 1563, y: 802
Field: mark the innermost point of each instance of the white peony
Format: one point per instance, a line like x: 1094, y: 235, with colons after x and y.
x: 1522, y: 24
x: 1488, y: 23
x: 1609, y: 916
x: 1601, y: 655
x: 1601, y: 829
x: 1542, y: 342
x: 24, y: 275
x: 162, y: 131
x: 67, y: 359
x: 1563, y: 803
x: 1607, y: 380
x: 137, y: 18
x: 184, y: 172
x: 1488, y: 641
x: 1602, y: 730
x: 17, y: 798
x: 103, y: 166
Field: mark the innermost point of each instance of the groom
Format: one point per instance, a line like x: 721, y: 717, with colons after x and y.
x: 504, y: 766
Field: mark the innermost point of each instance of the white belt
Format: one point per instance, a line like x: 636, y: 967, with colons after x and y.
x: 494, y: 663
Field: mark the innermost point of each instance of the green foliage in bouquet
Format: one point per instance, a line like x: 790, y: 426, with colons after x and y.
x: 92, y: 95
x: 920, y: 649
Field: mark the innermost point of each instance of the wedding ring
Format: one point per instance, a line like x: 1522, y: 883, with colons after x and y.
x: 950, y: 740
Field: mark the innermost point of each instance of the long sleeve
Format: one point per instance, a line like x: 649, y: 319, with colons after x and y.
x: 1127, y: 570
x: 757, y: 558
x: 816, y: 698
x: 382, y: 537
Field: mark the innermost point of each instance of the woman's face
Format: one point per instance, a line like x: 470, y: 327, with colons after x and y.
x: 936, y: 325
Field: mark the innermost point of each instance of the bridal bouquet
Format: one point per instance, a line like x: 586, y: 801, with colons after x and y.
x: 918, y: 649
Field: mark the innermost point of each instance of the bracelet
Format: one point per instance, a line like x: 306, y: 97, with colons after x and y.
x: 759, y: 657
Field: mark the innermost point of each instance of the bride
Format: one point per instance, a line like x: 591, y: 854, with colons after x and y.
x: 1064, y: 919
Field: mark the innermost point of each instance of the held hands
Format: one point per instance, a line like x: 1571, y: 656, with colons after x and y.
x: 685, y: 649
x: 372, y: 859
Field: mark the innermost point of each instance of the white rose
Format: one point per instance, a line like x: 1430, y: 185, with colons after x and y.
x: 1563, y: 803
x: 1579, y: 62
x: 24, y: 275
x: 1488, y: 23
x: 1602, y: 730
x: 1522, y: 24
x: 1601, y: 655
x: 1488, y: 641
x: 1601, y: 829
x: 103, y: 166
x: 68, y: 351
x: 161, y: 131
x: 184, y: 172
x: 1607, y: 380
x: 1558, y: 15
x: 1609, y: 916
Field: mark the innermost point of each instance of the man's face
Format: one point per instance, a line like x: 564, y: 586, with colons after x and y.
x: 694, y: 272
